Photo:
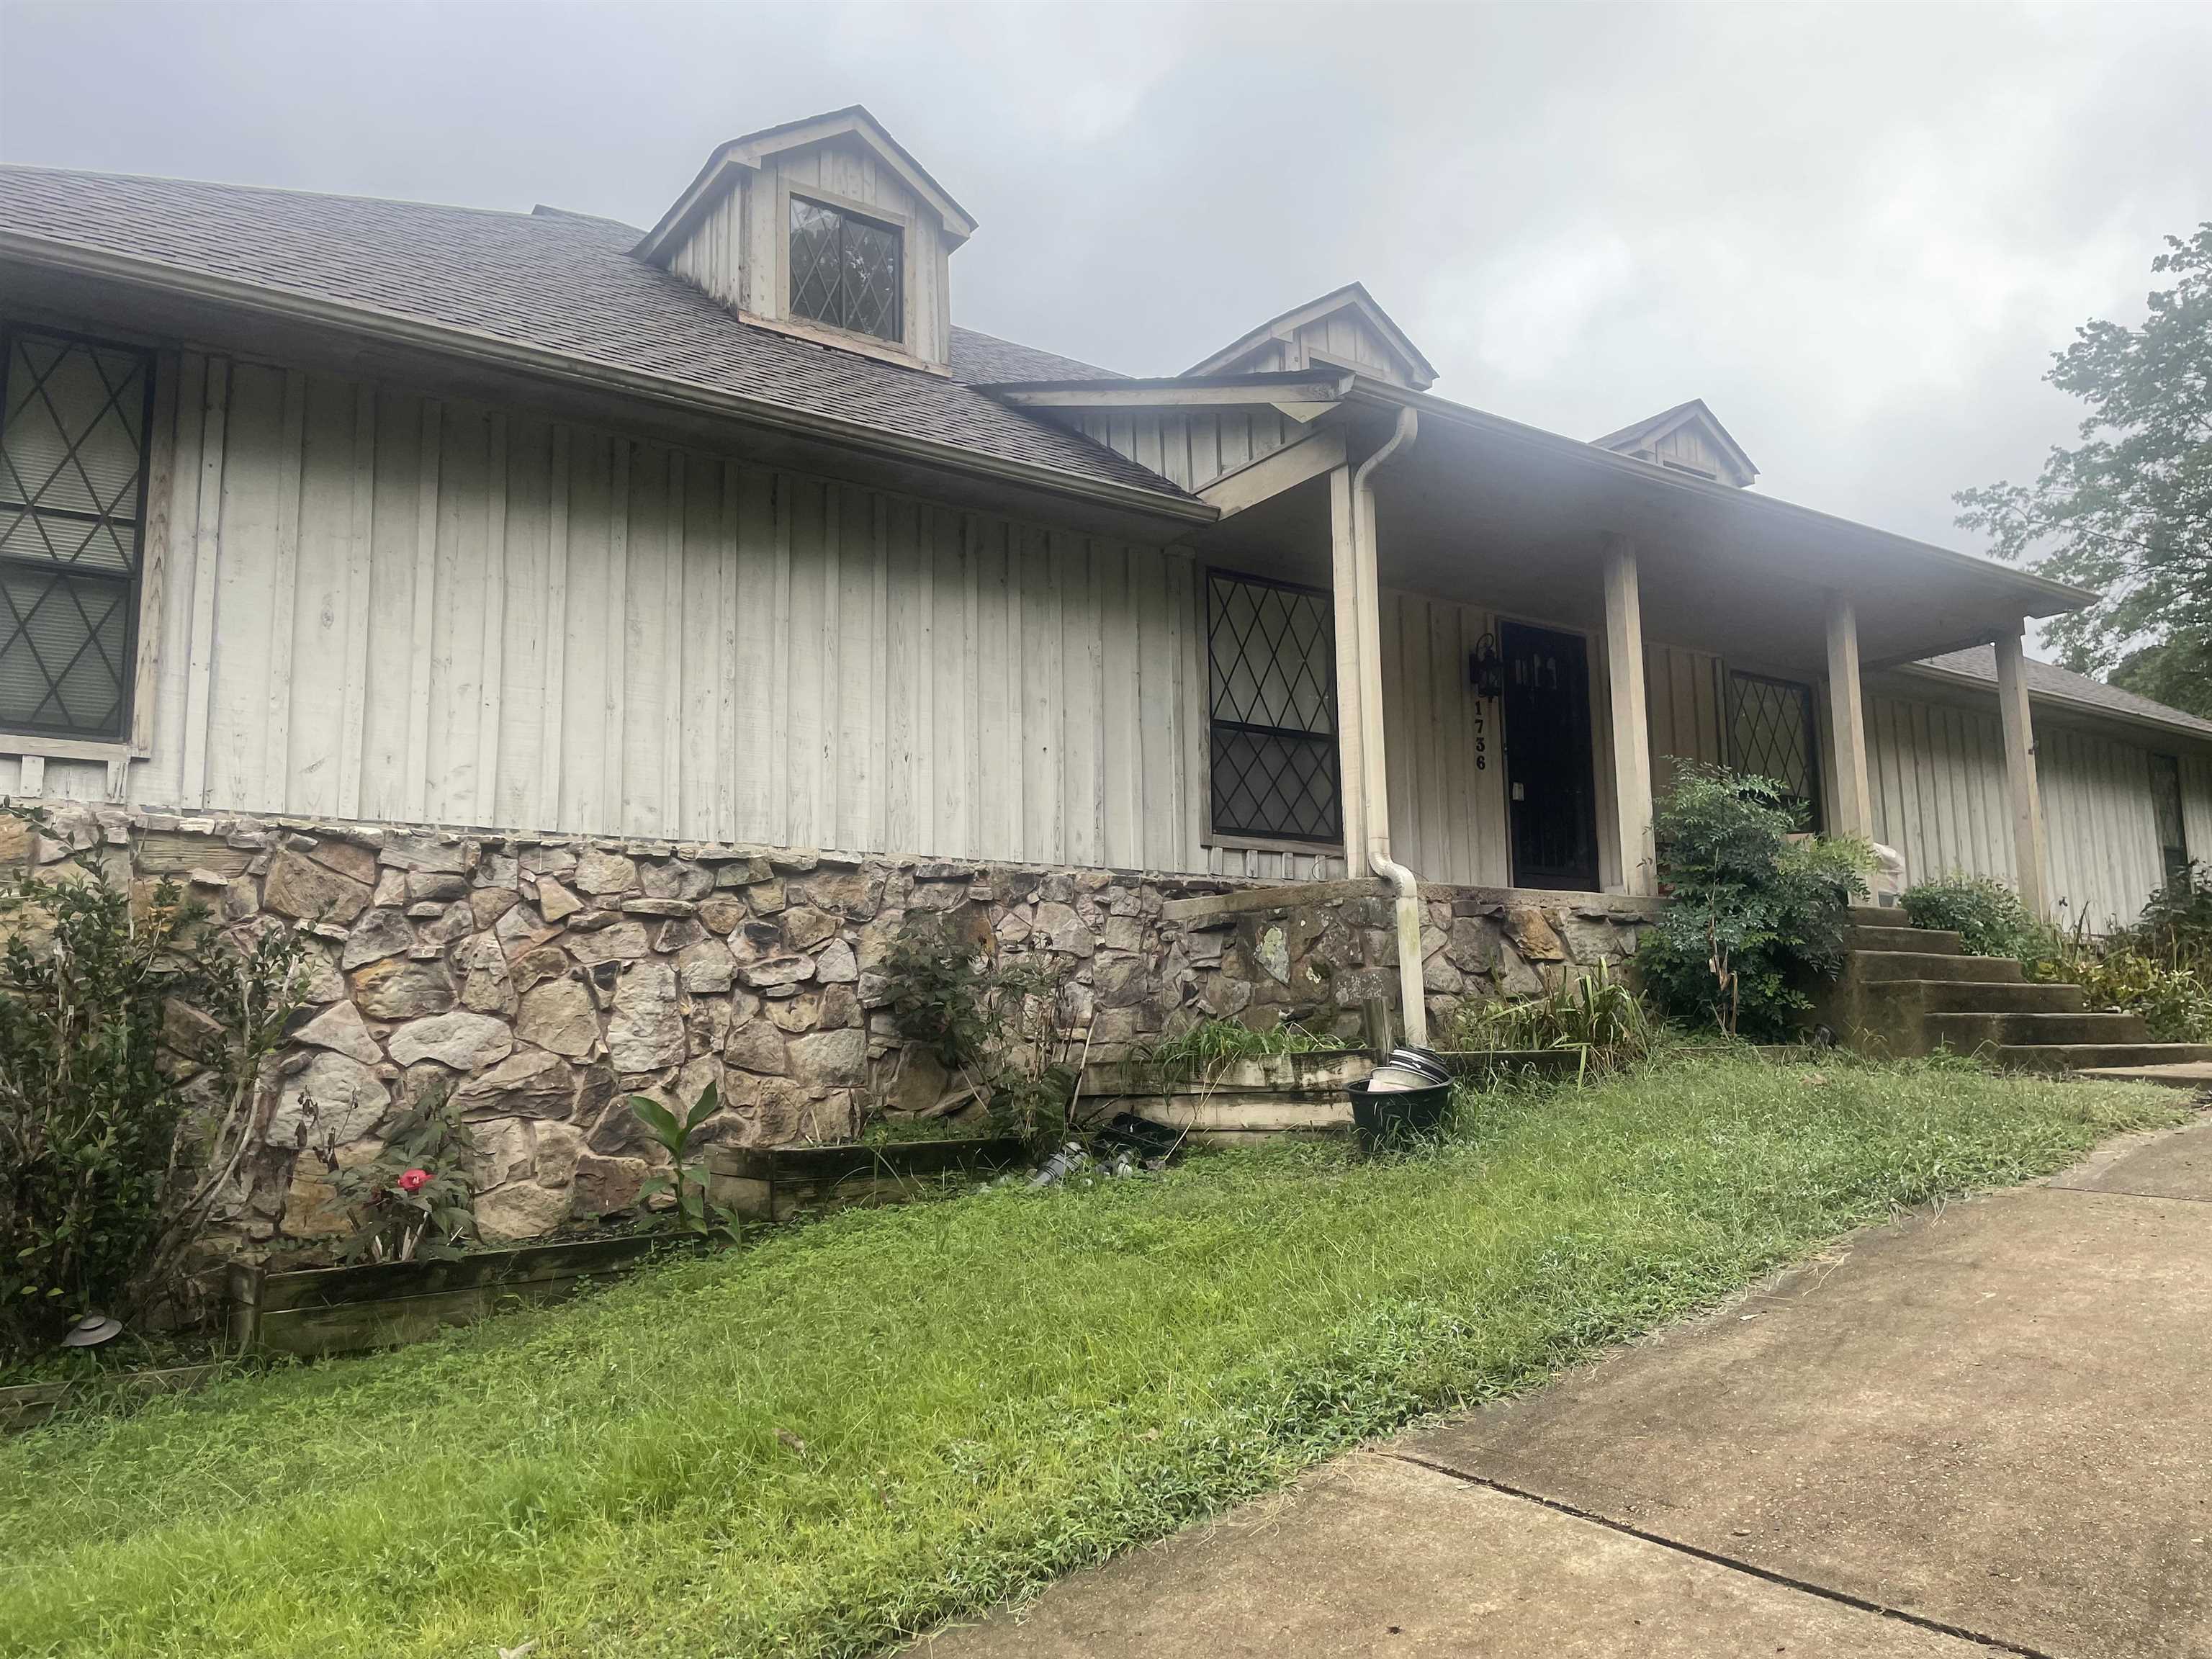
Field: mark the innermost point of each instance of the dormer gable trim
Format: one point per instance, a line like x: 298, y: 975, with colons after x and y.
x: 1639, y: 438
x: 1300, y: 397
x: 1420, y: 375
x: 754, y: 148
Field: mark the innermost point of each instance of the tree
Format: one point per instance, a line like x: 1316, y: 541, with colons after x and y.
x: 2128, y: 511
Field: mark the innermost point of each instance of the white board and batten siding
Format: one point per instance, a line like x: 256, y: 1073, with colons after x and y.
x: 1445, y: 754
x: 396, y: 607
x: 1941, y: 800
x: 1191, y: 447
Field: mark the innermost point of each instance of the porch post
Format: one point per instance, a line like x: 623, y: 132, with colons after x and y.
x: 2020, y: 774
x: 1631, y: 733
x: 1351, y: 748
x: 1853, y: 813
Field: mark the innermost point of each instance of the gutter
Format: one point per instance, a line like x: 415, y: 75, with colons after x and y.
x: 2080, y: 706
x: 2061, y: 596
x: 1374, y: 788
x: 75, y: 259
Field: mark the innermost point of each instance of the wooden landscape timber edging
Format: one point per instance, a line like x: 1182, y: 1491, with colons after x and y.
x: 1246, y: 1100
x: 26, y: 1405
x: 325, y: 1310
x: 772, y: 1183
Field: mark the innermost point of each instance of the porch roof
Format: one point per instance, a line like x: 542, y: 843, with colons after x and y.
x: 1513, y: 518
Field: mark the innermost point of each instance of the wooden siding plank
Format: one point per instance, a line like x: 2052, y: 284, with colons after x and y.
x: 424, y: 607
x: 493, y: 581
x: 359, y: 548
x: 207, y: 551
x: 553, y: 753
x: 283, y: 592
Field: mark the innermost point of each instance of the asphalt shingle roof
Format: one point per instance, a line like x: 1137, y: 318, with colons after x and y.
x: 558, y: 281
x: 2047, y: 679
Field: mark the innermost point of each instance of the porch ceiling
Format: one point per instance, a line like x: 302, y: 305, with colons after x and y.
x: 1513, y: 520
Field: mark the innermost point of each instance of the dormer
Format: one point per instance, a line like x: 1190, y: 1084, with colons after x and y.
x: 1685, y: 439
x: 825, y: 228
x: 1342, y: 329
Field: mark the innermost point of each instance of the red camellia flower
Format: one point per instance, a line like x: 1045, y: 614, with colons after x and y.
x: 414, y: 1180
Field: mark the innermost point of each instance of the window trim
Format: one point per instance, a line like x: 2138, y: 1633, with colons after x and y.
x: 898, y: 224
x: 133, y: 735
x: 1237, y: 840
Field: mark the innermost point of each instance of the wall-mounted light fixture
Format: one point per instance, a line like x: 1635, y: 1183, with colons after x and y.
x: 1486, y: 668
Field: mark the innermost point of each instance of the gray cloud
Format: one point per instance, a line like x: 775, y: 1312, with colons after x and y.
x: 1858, y: 232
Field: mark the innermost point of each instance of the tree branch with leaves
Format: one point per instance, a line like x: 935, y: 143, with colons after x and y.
x: 2128, y: 510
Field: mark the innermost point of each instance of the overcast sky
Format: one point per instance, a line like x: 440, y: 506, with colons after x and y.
x: 1858, y: 232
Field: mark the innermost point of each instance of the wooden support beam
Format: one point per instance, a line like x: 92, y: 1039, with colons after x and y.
x: 1343, y: 579
x: 1851, y: 813
x: 2019, y: 774
x: 1631, y: 728
x: 1276, y: 471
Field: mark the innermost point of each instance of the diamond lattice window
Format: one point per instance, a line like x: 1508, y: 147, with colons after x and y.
x: 1771, y: 734
x: 75, y: 416
x: 845, y: 271
x: 1271, y: 704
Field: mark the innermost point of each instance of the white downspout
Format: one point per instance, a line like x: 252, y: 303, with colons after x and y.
x: 1374, y: 782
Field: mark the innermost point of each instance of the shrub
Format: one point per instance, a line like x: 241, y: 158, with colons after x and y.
x: 1986, y: 915
x: 105, y: 1180
x: 2176, y: 924
x: 2176, y: 1005
x: 414, y: 1197
x: 1001, y: 1026
x: 1753, y: 919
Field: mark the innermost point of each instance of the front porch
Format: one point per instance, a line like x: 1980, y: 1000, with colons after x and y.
x: 1526, y: 637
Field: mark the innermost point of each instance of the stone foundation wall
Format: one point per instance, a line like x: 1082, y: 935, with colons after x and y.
x: 547, y: 978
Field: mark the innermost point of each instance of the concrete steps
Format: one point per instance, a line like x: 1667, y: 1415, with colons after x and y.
x: 1908, y: 990
x: 2101, y: 1056
x: 1963, y: 1033
x: 1877, y: 965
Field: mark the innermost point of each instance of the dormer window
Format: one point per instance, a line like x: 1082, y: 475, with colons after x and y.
x: 845, y: 271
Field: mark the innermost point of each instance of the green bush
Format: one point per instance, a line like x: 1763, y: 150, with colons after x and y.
x: 1753, y: 919
x: 107, y: 1180
x: 1001, y: 1025
x: 2176, y: 924
x: 1986, y: 915
x: 2176, y: 1005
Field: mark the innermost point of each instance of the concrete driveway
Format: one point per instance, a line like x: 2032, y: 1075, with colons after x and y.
x: 1985, y: 1429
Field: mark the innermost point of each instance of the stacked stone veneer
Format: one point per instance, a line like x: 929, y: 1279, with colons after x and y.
x: 547, y: 978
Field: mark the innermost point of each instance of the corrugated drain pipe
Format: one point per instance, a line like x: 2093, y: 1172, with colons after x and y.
x: 1374, y: 784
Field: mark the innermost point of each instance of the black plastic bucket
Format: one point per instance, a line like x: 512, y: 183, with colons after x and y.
x: 1393, y: 1117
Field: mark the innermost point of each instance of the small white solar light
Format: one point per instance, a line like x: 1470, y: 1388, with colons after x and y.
x: 92, y: 1330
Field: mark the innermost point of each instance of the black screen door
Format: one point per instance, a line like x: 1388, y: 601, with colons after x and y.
x: 1550, y: 784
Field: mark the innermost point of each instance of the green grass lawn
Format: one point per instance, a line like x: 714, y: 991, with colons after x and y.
x: 850, y: 1430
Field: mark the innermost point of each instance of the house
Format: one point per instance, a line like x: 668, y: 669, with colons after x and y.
x: 602, y: 636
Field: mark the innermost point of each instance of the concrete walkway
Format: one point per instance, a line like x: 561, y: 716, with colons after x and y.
x: 1986, y: 1430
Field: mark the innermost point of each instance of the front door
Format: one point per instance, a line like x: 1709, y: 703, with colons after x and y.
x: 1550, y: 784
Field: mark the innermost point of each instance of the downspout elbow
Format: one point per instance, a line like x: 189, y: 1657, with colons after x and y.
x: 1412, y: 989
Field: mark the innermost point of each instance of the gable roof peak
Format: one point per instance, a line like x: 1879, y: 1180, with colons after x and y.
x: 1304, y: 336
x: 1688, y: 438
x: 751, y: 150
